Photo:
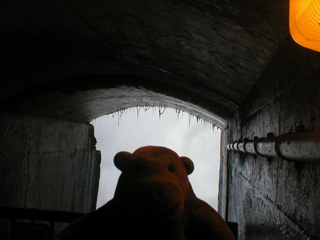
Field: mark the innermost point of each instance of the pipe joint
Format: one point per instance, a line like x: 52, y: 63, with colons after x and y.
x: 297, y: 146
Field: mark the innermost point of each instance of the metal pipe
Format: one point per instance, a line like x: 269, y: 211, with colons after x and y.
x: 266, y: 146
x: 249, y: 147
x: 241, y: 146
x: 298, y: 146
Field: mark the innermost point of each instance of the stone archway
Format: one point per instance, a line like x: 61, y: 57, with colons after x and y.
x: 84, y: 98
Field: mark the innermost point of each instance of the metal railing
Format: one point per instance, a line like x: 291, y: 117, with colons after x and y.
x: 33, y: 230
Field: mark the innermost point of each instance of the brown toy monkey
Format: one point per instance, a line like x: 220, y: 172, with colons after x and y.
x: 153, y: 200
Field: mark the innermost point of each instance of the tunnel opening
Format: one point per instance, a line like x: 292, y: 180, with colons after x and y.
x: 51, y: 161
x: 187, y: 135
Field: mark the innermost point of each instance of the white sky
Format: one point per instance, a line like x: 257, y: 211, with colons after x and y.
x: 184, y: 134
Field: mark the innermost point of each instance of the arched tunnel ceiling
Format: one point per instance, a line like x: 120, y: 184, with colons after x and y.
x: 62, y: 58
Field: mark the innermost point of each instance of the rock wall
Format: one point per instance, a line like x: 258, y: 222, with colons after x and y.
x: 275, y: 198
x: 47, y: 164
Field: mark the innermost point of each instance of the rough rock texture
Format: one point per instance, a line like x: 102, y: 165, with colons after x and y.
x: 82, y: 105
x: 208, y: 53
x: 275, y: 199
x: 47, y: 164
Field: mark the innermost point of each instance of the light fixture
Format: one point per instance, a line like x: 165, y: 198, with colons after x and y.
x: 304, y: 23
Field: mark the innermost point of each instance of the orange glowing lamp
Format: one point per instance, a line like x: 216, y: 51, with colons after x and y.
x: 304, y: 23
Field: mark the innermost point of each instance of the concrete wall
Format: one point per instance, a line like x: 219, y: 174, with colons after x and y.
x: 48, y: 164
x: 275, y: 199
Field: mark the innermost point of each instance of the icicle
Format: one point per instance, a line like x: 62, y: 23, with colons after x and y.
x: 146, y: 108
x: 138, y: 111
x: 178, y: 111
x: 161, y: 110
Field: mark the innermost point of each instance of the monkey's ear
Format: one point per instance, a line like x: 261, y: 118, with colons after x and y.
x: 188, y: 164
x: 120, y: 159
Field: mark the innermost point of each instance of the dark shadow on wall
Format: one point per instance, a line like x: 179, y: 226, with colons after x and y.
x: 264, y: 232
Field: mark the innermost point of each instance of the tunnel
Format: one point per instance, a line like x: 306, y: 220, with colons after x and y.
x: 231, y: 63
